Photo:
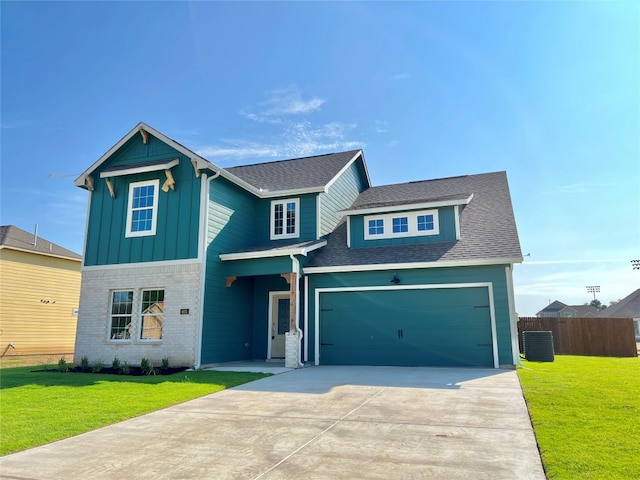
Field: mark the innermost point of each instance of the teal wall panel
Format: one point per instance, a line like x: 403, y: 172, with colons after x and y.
x: 447, y: 232
x: 341, y: 196
x: 472, y: 274
x: 258, y: 266
x: 176, y: 235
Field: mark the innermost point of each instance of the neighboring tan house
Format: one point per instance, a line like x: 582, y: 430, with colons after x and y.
x: 559, y: 309
x: 628, y: 307
x: 39, y: 295
x: 301, y: 260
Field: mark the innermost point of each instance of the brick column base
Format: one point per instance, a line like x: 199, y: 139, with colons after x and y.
x: 291, y: 350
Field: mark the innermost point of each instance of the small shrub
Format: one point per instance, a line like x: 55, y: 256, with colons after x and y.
x: 116, y: 364
x: 147, y: 367
x: 63, y: 365
x: 165, y: 363
x: 97, y: 366
x: 47, y: 363
x: 84, y: 363
x: 125, y: 369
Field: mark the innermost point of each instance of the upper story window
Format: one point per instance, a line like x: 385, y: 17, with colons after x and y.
x: 142, y: 208
x: 376, y: 226
x: 285, y: 219
x: 425, y: 223
x: 407, y: 224
x: 400, y: 224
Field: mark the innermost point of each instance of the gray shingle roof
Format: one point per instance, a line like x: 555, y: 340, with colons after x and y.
x: 294, y: 174
x: 14, y: 237
x: 628, y: 307
x: 487, y: 225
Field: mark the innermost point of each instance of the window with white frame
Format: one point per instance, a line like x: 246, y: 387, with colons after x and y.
x: 121, y: 315
x: 376, y: 226
x: 407, y: 224
x: 152, y: 314
x: 142, y: 208
x: 285, y: 219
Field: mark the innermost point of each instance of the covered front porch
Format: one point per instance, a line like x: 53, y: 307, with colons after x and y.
x: 273, y: 276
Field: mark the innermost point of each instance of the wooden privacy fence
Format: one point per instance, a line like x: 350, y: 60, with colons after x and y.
x: 600, y: 337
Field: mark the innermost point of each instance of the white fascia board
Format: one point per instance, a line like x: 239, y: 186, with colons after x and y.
x: 409, y: 206
x: 44, y: 254
x: 272, y: 253
x: 146, y: 168
x: 201, y: 162
x: 344, y: 169
x: 288, y: 193
x: 408, y: 266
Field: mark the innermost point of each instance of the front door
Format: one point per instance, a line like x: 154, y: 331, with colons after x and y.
x: 279, y: 308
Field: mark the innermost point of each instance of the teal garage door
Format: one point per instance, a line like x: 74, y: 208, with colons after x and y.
x: 426, y: 327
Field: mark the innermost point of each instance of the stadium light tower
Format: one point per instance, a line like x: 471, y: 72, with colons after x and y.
x: 593, y: 289
x: 635, y: 264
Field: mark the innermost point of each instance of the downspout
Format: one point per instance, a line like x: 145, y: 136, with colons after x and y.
x: 203, y: 236
x: 296, y: 269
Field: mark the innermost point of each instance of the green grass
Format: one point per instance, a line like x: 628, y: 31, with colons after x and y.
x: 41, y: 407
x: 586, y: 416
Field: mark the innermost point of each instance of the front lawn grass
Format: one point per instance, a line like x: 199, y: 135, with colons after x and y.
x: 586, y: 416
x: 38, y: 407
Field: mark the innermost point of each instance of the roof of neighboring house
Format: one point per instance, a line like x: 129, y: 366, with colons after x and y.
x: 295, y: 174
x: 585, y: 310
x: 553, y: 307
x: 15, y: 238
x: 487, y: 225
x: 628, y: 307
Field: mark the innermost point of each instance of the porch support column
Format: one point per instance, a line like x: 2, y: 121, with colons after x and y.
x: 291, y: 337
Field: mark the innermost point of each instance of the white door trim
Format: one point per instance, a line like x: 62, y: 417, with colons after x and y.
x: 487, y: 285
x: 272, y: 299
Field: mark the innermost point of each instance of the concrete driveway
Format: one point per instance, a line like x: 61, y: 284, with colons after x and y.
x: 315, y: 423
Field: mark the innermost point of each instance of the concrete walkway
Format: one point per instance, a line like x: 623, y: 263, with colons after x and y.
x: 315, y: 423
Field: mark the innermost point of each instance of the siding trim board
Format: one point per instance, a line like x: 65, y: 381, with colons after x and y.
x: 410, y: 206
x: 488, y: 285
x: 416, y: 265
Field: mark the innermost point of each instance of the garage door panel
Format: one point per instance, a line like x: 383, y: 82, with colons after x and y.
x: 406, y: 327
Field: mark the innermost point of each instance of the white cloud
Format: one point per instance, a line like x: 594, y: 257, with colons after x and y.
x: 283, y: 103
x: 380, y: 127
x: 400, y: 76
x: 579, y: 188
x: 296, y: 139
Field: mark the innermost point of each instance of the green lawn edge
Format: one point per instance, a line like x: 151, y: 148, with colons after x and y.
x: 39, y: 407
x: 585, y: 412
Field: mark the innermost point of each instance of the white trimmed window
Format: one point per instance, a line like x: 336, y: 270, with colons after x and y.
x: 285, y: 219
x: 152, y: 315
x: 406, y: 224
x: 121, y: 315
x: 142, y: 211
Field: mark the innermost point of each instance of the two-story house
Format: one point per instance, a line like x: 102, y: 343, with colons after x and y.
x: 298, y: 259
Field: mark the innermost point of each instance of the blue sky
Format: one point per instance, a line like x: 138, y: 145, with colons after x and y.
x: 548, y: 91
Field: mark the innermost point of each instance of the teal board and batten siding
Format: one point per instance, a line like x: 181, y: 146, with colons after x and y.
x: 227, y: 323
x: 446, y: 218
x: 340, y: 196
x: 178, y: 216
x: 495, y: 275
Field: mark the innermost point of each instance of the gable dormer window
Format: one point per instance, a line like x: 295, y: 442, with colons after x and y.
x: 142, y: 208
x: 285, y: 219
x: 425, y: 223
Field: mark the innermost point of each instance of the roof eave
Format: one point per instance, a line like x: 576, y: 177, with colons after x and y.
x: 408, y: 206
x: 44, y: 254
x: 200, y: 161
x: 413, y: 265
x: 284, y: 252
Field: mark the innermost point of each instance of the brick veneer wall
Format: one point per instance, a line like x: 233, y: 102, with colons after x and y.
x: 182, y: 285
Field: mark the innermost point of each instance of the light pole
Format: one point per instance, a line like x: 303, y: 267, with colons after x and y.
x: 593, y: 289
